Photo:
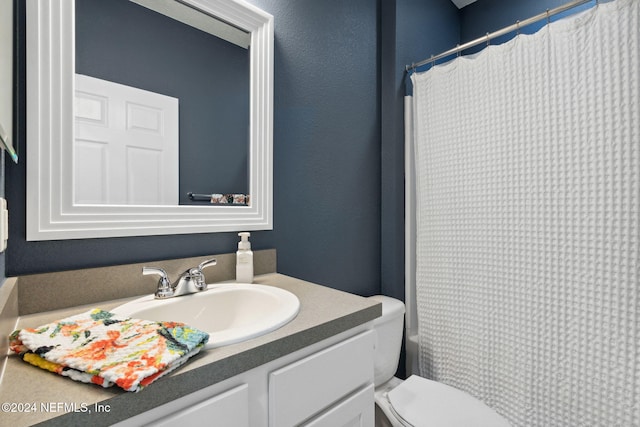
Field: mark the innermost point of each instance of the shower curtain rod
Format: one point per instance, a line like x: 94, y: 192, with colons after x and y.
x: 489, y: 36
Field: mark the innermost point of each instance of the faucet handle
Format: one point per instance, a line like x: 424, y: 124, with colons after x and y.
x: 164, y: 285
x: 207, y: 263
x: 198, y: 276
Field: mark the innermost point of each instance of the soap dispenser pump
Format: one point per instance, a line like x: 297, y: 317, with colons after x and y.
x: 244, y: 260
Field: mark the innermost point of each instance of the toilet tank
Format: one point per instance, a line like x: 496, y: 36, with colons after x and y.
x: 388, y: 329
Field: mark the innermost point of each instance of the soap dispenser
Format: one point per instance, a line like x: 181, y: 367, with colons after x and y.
x: 244, y: 260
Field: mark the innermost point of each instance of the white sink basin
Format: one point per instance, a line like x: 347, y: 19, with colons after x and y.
x: 230, y: 313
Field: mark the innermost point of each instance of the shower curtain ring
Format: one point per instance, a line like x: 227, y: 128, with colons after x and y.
x: 458, y: 50
x: 488, y: 40
x: 549, y: 17
x: 517, y: 27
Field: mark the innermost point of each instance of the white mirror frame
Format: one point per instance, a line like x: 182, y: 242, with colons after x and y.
x: 51, y: 213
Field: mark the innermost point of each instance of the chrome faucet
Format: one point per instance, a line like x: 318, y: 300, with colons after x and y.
x: 189, y: 282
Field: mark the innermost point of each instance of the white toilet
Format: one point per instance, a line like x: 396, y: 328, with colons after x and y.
x: 417, y: 401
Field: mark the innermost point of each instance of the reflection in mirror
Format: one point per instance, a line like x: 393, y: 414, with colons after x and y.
x: 162, y: 108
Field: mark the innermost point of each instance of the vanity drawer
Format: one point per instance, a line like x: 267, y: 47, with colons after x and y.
x: 305, y: 388
x: 358, y: 410
x: 227, y: 408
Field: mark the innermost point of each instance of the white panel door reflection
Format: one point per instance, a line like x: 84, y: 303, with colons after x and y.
x: 126, y: 145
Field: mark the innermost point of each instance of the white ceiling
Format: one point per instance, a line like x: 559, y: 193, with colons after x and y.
x: 462, y: 3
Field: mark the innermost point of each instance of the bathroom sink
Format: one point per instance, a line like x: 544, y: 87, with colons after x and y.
x: 230, y: 313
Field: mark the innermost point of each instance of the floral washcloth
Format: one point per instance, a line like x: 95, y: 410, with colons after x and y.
x: 98, y: 347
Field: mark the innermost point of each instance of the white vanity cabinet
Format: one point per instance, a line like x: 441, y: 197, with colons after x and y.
x: 304, y: 388
x: 329, y: 383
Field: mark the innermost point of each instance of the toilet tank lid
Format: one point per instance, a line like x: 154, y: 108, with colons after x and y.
x: 391, y: 307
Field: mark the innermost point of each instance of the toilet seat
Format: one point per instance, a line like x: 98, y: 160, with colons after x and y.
x: 419, y: 402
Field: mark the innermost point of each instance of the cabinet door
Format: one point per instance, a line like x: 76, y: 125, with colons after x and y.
x: 305, y: 388
x: 355, y: 411
x: 230, y: 408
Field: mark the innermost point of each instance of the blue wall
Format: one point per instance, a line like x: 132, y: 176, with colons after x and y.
x: 410, y: 31
x: 327, y: 142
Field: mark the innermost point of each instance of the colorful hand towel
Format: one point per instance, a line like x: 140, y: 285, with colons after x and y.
x: 98, y: 347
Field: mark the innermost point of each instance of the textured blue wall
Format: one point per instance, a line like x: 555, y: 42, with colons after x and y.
x: 411, y: 30
x: 327, y: 142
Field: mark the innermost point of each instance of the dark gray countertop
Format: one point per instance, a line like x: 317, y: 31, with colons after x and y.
x: 324, y: 312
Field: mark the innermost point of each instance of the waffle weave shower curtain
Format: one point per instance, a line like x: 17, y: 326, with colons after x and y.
x: 528, y: 222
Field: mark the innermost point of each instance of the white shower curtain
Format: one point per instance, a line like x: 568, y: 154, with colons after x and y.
x: 528, y: 222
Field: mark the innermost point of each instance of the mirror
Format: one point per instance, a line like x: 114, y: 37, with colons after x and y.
x: 162, y: 104
x: 53, y: 211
